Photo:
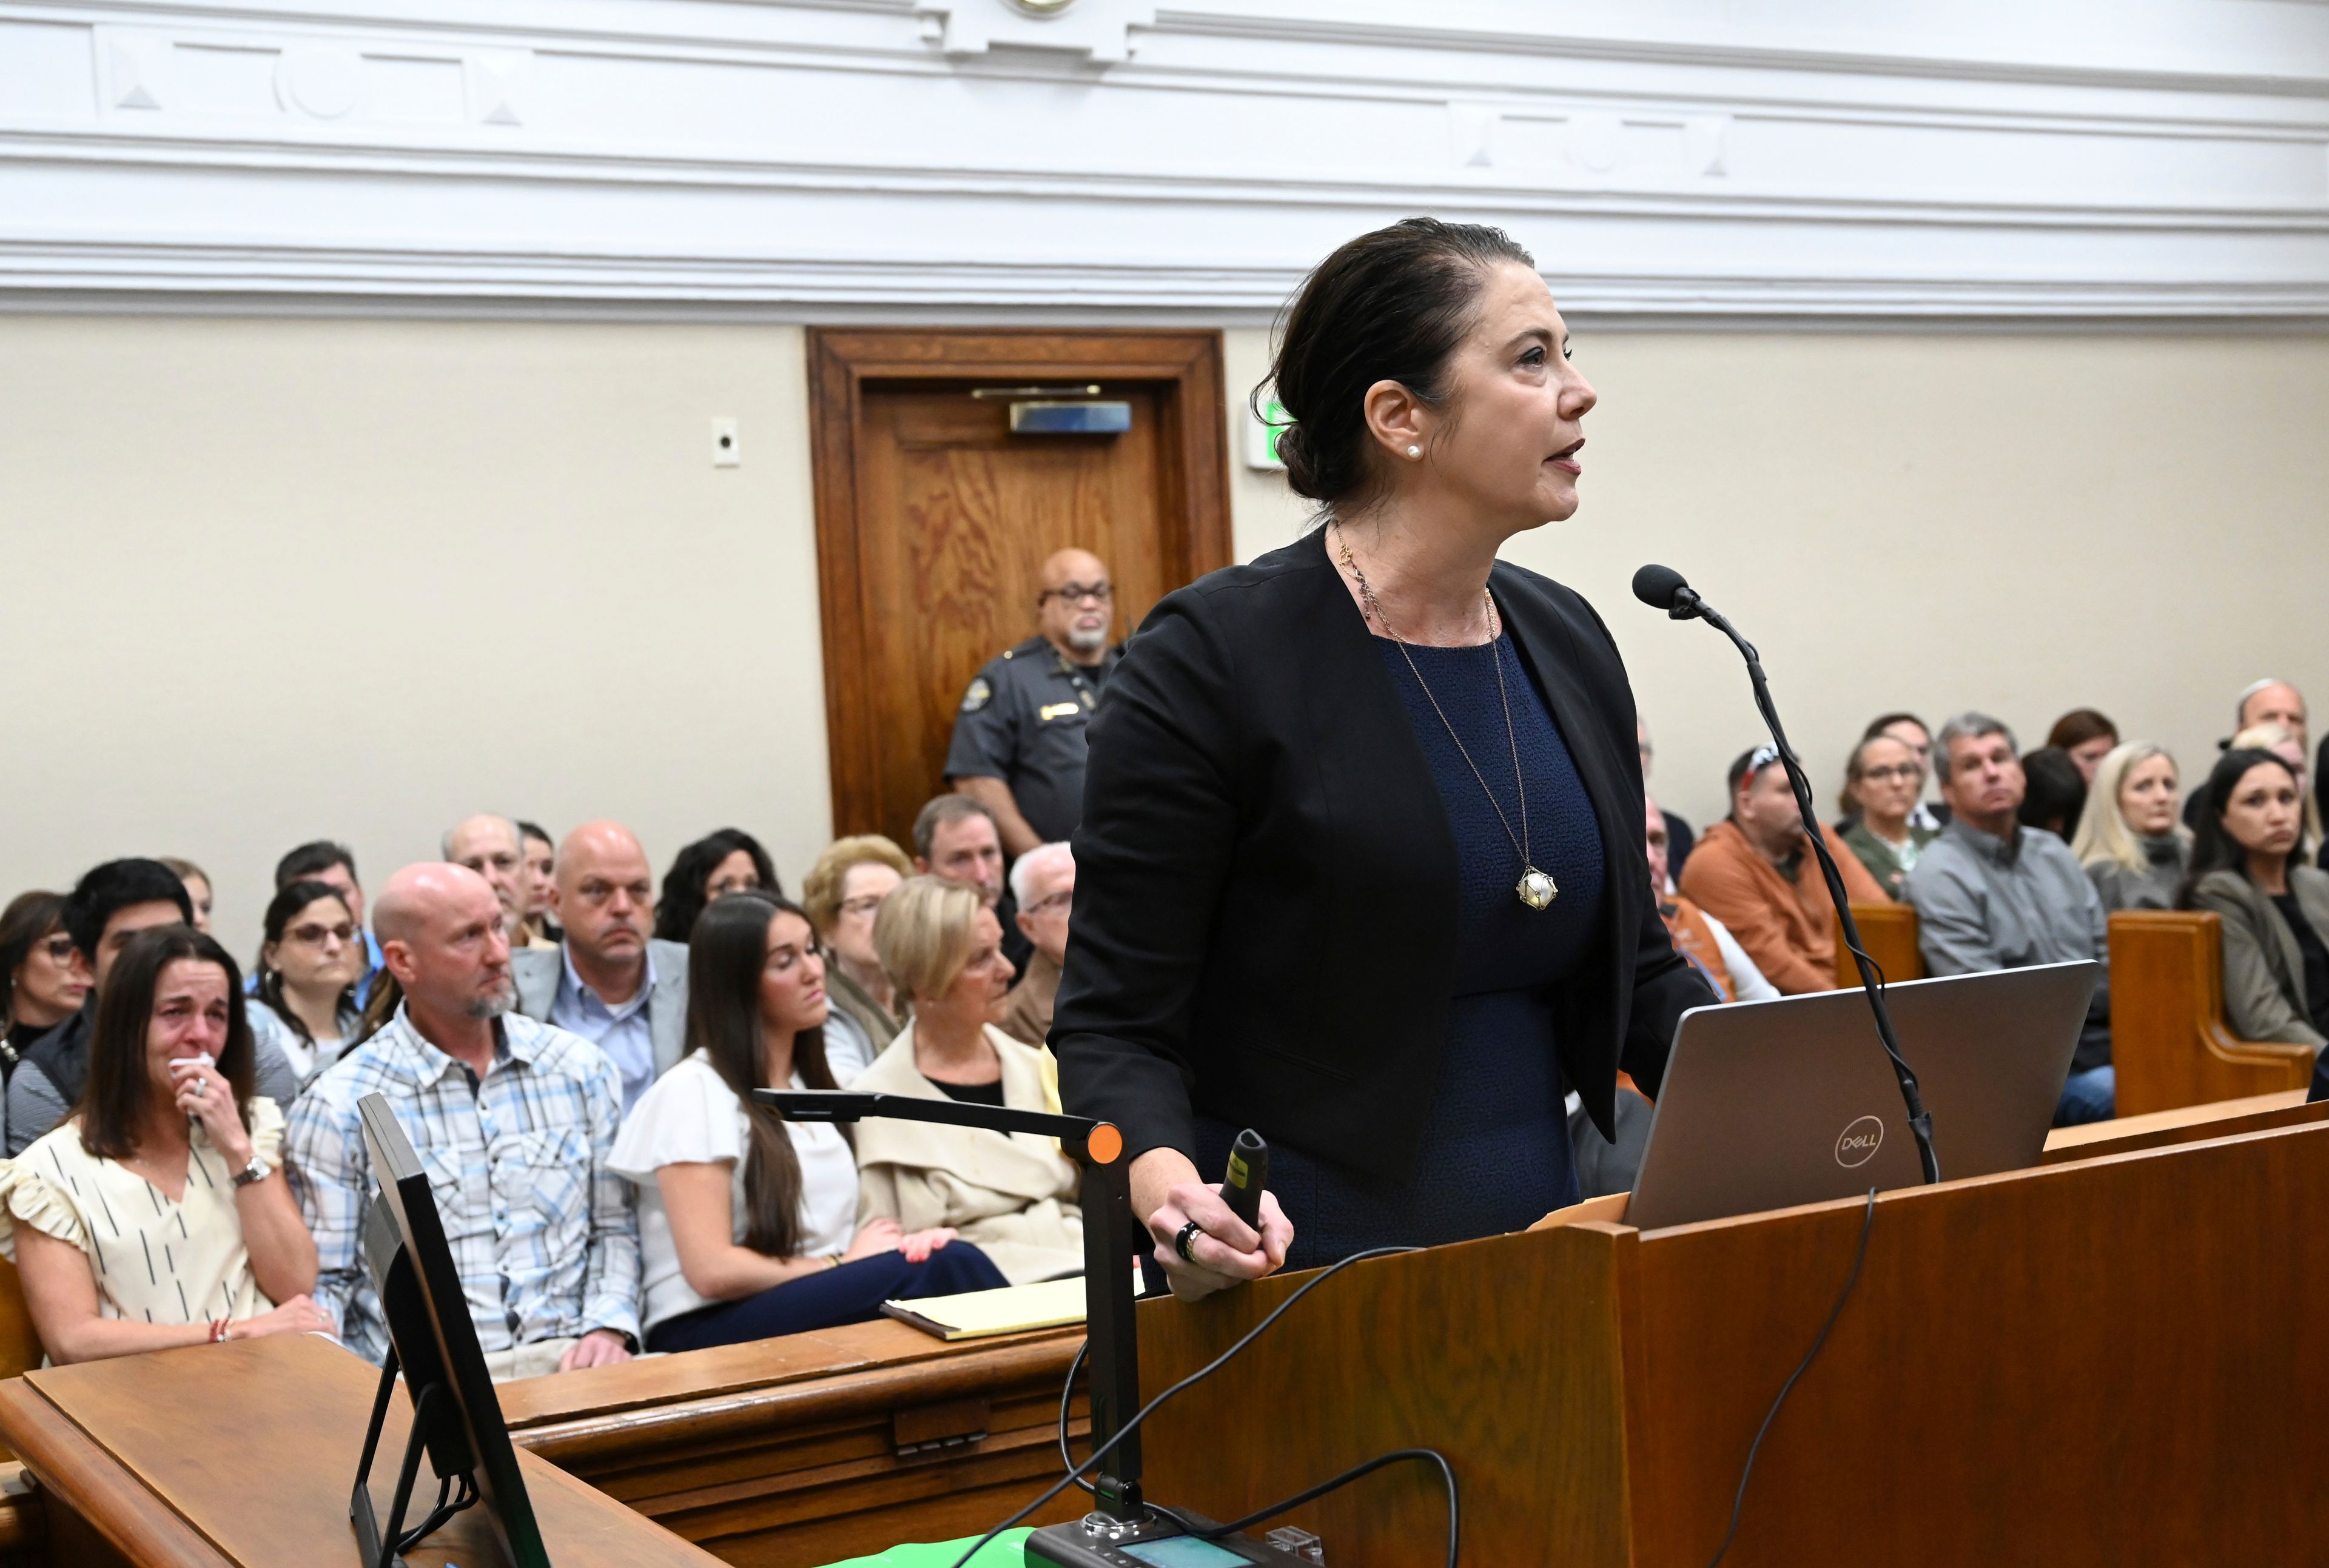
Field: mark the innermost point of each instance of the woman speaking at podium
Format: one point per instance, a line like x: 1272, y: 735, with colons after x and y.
x: 1361, y: 864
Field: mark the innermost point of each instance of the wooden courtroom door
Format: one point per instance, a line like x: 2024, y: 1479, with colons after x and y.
x: 934, y: 520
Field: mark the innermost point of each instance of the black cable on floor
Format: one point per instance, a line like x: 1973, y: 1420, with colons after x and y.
x: 1446, y: 1475
x: 1738, y: 1503
x: 1092, y: 1460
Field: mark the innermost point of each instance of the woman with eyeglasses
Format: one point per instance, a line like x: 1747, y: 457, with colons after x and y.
x: 1883, y: 783
x: 729, y: 861
x: 40, y: 984
x: 307, y: 972
x: 842, y: 894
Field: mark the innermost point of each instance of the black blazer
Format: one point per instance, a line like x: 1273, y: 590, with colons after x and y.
x: 1265, y: 919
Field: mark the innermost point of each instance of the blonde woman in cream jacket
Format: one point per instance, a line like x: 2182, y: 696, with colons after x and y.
x: 1014, y: 1195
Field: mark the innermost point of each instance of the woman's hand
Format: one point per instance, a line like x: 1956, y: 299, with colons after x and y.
x: 918, y: 1245
x: 879, y: 1236
x: 299, y: 1315
x: 204, y: 1095
x: 1226, y: 1250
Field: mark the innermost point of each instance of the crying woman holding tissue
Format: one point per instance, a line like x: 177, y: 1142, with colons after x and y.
x: 1361, y: 865
x: 157, y: 1214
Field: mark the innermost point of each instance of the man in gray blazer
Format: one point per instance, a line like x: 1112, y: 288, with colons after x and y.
x: 608, y: 981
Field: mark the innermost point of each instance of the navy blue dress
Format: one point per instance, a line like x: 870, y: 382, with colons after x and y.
x: 1496, y: 1153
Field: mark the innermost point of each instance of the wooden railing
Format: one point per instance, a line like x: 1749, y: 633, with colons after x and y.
x: 2168, y: 1033
x: 1888, y: 932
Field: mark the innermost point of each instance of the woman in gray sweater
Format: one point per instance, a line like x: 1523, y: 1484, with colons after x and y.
x: 2275, y: 907
x: 2134, y: 850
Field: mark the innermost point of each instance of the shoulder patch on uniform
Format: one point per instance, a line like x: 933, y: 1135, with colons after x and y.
x: 977, y: 697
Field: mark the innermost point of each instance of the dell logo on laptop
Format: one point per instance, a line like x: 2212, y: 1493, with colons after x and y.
x: 1860, y: 1141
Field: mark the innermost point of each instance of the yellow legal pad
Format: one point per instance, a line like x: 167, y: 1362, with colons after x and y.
x: 1013, y: 1309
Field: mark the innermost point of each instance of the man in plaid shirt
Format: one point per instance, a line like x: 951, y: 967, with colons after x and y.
x: 514, y: 1120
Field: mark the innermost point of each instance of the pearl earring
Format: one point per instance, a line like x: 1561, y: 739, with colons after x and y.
x: 1415, y: 452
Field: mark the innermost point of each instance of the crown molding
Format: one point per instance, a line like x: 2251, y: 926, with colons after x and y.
x: 756, y: 154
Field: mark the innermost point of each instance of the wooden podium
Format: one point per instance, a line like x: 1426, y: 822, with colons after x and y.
x: 240, y: 1456
x: 2114, y: 1361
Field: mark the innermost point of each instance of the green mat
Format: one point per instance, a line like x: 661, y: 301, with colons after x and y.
x: 1004, y: 1554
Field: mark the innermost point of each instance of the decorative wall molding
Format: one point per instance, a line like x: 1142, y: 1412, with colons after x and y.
x: 1125, y: 160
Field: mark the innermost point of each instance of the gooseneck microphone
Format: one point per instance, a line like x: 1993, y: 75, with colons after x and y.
x: 1664, y: 588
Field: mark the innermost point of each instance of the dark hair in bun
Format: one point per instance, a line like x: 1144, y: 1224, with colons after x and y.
x: 1390, y: 305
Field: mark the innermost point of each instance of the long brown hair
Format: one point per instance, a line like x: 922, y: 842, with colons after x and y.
x: 115, y: 1101
x: 726, y: 953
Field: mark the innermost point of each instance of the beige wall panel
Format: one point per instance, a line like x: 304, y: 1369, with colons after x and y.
x: 269, y: 580
x: 1263, y: 512
x: 2023, y: 524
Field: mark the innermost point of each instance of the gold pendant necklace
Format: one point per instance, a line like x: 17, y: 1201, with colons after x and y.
x: 1535, y: 889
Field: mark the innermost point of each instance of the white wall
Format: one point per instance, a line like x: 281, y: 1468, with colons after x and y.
x: 2021, y: 524
x: 275, y: 580
x: 356, y: 362
x: 271, y: 579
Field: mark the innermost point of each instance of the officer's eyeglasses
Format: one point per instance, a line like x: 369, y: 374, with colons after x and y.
x: 1077, y: 592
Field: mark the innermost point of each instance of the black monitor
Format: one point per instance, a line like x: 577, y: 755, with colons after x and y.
x: 457, y: 1416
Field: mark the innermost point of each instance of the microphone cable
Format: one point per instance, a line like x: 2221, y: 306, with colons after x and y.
x: 1092, y: 1458
x: 1664, y: 588
x: 1447, y: 1476
x: 1739, y: 1502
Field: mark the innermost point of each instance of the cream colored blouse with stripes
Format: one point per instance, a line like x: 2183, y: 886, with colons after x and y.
x: 154, y: 1259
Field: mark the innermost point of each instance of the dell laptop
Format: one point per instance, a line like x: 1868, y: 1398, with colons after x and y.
x: 1771, y: 1103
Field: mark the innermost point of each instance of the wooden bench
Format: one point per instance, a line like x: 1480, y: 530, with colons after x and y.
x: 815, y: 1447
x: 1888, y: 933
x: 2168, y: 1033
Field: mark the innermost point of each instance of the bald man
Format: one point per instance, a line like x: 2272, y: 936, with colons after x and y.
x: 608, y: 981
x: 1018, y: 745
x: 517, y: 1123
x: 495, y: 848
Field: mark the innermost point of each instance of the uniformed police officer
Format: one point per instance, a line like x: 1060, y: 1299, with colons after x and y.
x: 1018, y: 745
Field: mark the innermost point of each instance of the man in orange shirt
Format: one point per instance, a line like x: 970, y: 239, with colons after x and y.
x: 1756, y: 874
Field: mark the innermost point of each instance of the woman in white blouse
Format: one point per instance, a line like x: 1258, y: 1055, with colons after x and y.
x: 746, y: 1222
x: 1013, y: 1193
x: 157, y: 1214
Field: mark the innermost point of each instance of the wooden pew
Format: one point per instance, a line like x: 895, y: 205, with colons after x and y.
x: 2168, y: 1033
x: 1887, y: 932
x: 815, y: 1447
x: 2184, y: 1124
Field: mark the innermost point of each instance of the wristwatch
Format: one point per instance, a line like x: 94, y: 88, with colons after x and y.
x: 257, y: 1170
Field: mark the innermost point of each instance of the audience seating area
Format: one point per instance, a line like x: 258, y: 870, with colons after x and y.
x: 1888, y: 933
x: 2168, y: 1036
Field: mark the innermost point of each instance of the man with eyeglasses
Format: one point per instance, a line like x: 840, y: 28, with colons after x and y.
x: 1018, y: 747
x: 1043, y: 884
x: 1756, y: 873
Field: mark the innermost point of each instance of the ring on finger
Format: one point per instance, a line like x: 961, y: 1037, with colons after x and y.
x: 200, y: 1085
x: 1181, y: 1241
